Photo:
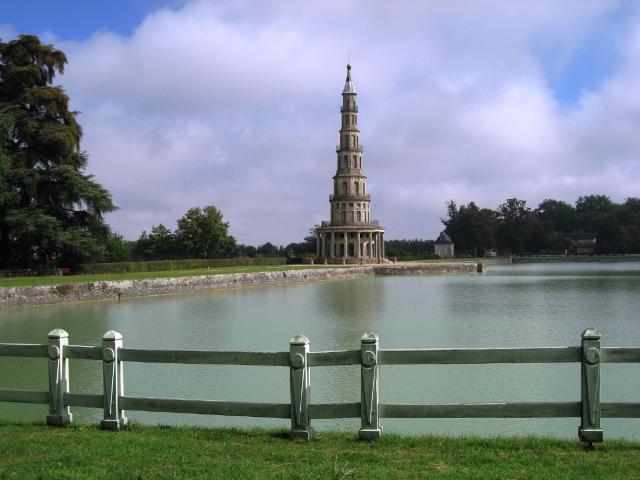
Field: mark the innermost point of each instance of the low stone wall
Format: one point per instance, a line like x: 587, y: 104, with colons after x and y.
x: 79, y: 292
x: 427, y: 268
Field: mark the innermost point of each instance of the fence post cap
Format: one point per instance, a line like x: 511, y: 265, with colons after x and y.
x: 112, y: 335
x: 58, y: 333
x: 591, y: 334
x: 369, y: 337
x: 299, y: 340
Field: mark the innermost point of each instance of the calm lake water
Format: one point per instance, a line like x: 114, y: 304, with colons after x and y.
x: 509, y: 306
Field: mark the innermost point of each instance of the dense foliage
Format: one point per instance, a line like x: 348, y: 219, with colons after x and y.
x: 51, y: 212
x: 185, y: 265
x: 409, y: 249
x: 516, y: 228
x: 201, y: 233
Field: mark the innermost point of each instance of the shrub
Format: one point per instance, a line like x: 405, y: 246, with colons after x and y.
x: 165, y: 265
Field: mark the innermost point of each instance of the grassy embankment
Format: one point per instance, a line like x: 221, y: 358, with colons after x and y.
x: 541, y: 259
x: 576, y: 258
x: 141, y: 452
x: 99, y: 277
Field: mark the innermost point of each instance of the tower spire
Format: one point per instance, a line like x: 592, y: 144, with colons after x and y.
x: 348, y: 85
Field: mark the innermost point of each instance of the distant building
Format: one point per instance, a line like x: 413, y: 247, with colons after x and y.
x: 350, y: 236
x: 444, y: 246
x: 582, y: 243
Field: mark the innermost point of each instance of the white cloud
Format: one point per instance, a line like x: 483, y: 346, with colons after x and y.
x: 237, y: 105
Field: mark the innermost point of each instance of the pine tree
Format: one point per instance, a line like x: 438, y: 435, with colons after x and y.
x: 51, y: 212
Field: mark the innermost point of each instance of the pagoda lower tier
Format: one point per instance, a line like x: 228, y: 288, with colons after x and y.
x: 350, y: 244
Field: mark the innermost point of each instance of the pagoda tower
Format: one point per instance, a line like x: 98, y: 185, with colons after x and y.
x: 350, y: 236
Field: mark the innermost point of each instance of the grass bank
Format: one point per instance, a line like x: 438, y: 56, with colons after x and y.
x: 143, y: 452
x: 99, y: 277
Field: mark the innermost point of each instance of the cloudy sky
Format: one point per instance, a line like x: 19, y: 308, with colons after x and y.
x: 236, y: 104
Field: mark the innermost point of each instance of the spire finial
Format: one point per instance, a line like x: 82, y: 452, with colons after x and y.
x: 348, y: 86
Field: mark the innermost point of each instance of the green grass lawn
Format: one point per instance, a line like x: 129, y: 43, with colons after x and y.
x: 141, y: 452
x: 98, y: 277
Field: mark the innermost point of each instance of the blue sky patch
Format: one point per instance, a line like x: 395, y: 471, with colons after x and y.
x: 595, y: 59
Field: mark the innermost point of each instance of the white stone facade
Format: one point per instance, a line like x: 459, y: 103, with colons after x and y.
x: 350, y: 236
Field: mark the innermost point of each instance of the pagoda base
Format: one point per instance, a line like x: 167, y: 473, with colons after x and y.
x: 350, y: 244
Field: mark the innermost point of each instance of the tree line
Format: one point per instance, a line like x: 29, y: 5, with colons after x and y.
x: 516, y: 228
x: 202, y: 233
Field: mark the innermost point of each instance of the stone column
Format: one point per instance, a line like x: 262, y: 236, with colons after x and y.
x: 346, y: 244
x: 590, y: 430
x: 317, y: 245
x: 324, y: 245
x: 59, y: 414
x: 300, y: 381
x: 357, y: 252
x: 376, y: 246
x: 333, y: 245
x: 370, y: 428
x: 370, y: 244
x: 112, y: 374
x: 382, y: 243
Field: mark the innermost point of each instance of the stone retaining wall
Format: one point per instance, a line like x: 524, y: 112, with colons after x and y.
x: 79, y: 292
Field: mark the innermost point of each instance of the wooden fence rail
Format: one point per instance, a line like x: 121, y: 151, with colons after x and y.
x: 299, y: 361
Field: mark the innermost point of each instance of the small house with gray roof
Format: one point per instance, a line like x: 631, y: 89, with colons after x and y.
x: 444, y: 246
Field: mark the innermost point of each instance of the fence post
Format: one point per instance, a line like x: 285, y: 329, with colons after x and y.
x: 590, y: 430
x: 112, y: 374
x: 300, y: 383
x: 58, y: 378
x: 370, y: 425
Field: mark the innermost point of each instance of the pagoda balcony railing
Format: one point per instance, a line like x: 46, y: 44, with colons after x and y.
x: 349, y: 109
x: 358, y: 148
x: 351, y: 198
x: 370, y: 223
x: 350, y: 171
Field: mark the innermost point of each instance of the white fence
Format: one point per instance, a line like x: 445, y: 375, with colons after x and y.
x: 299, y: 360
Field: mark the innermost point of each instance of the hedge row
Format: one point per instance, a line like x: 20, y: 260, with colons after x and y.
x: 165, y: 265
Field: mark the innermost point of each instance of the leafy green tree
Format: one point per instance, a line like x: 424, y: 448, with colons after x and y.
x: 268, y: 250
x: 142, y: 247
x: 51, y: 212
x: 599, y: 214
x: 116, y: 249
x: 629, y: 218
x: 629, y: 212
x: 512, y: 217
x: 470, y: 227
x: 245, y: 251
x: 409, y: 249
x: 557, y: 216
x: 202, y: 233
x: 160, y: 244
